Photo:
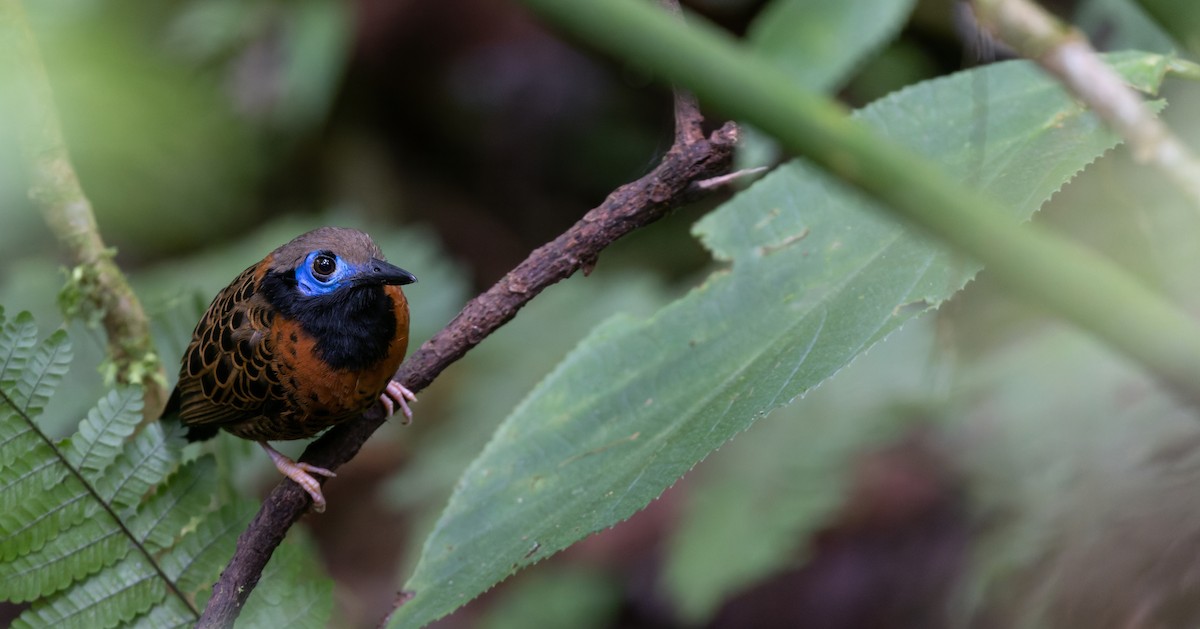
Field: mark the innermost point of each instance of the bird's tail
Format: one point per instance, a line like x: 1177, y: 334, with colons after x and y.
x: 194, y: 433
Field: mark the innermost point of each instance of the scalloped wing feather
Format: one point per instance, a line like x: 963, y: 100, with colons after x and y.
x: 227, y: 375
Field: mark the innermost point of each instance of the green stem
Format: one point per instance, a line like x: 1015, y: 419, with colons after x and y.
x: 55, y: 190
x: 1029, y: 261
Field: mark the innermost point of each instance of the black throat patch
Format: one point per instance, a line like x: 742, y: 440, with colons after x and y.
x: 353, y: 326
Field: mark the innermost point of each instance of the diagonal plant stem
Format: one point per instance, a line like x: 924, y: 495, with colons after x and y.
x: 54, y: 188
x: 693, y: 158
x: 1065, y: 53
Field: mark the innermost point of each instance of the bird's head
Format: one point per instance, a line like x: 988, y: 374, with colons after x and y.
x: 333, y: 260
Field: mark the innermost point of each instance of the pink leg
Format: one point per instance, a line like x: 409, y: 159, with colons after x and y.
x: 397, y: 394
x: 301, y: 473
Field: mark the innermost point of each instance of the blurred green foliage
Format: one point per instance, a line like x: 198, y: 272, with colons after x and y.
x: 210, y: 132
x: 1179, y: 18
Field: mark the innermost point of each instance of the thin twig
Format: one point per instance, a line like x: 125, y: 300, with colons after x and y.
x: 692, y: 158
x: 54, y: 188
x: 1066, y: 53
x: 721, y: 181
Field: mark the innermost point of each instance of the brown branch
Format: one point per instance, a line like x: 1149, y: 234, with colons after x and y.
x: 96, y: 281
x: 691, y: 159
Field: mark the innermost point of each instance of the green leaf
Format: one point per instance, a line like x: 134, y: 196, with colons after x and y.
x: 169, y: 614
x: 97, y: 541
x: 33, y: 510
x: 1124, y: 24
x: 495, y: 383
x: 103, y: 432
x: 133, y: 586
x: 18, y: 337
x: 162, y: 519
x: 819, y: 275
x: 37, y: 494
x: 146, y: 462
x: 126, y: 590
x: 198, y: 558
x: 45, y: 370
x: 818, y: 43
x: 92, y: 530
x: 64, y: 559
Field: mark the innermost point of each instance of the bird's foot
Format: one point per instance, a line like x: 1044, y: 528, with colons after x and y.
x: 301, y: 473
x: 395, y: 395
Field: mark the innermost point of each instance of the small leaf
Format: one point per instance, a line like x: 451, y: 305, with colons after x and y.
x: 66, y: 558
x: 171, y: 613
x: 162, y: 519
x: 199, y: 556
x: 43, y: 373
x: 36, y: 490
x: 103, y: 433
x: 819, y: 42
x: 32, y: 511
x: 18, y: 337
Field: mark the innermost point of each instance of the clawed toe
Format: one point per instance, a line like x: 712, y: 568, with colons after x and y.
x: 397, y: 394
x: 301, y: 473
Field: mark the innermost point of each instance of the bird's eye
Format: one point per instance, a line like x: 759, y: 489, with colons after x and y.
x: 323, y: 266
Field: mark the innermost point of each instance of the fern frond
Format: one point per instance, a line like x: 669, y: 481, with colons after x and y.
x: 196, y: 561
x: 17, y: 340
x: 43, y: 373
x: 169, y: 614
x: 35, y: 493
x: 163, y: 518
x: 137, y: 583
x: 128, y: 588
x: 28, y: 374
x: 81, y: 551
x: 145, y: 461
x: 32, y: 511
x: 101, y: 541
x: 97, y: 501
x: 107, y: 528
x: 103, y: 433
x: 200, y: 555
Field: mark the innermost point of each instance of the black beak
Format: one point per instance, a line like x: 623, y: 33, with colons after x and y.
x: 378, y: 272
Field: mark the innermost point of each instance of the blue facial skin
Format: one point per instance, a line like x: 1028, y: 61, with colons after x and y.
x: 310, y: 285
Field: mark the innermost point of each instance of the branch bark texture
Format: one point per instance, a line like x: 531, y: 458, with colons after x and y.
x: 693, y: 158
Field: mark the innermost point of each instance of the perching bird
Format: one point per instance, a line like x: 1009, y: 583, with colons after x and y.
x: 306, y: 339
